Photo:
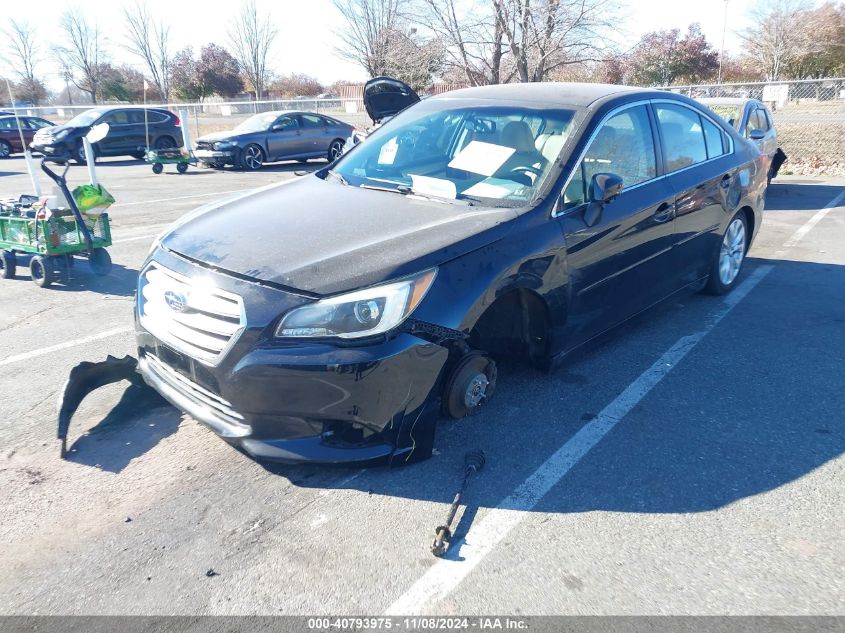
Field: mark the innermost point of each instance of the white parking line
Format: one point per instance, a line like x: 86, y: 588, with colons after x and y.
x: 198, y: 195
x: 133, y: 239
x: 446, y: 574
x: 809, y: 224
x: 55, y: 348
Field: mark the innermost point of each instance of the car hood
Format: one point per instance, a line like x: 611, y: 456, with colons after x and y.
x: 53, y: 130
x: 230, y: 135
x: 322, y: 237
x: 385, y: 96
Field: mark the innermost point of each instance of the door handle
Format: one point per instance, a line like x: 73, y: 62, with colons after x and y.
x: 664, y: 212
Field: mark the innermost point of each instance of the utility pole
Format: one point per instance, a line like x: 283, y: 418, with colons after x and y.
x: 67, y: 75
x: 722, y: 50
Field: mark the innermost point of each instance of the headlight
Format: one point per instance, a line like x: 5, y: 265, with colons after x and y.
x: 357, y: 314
x: 225, y: 145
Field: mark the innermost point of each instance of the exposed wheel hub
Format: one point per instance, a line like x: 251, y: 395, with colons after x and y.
x: 476, y: 390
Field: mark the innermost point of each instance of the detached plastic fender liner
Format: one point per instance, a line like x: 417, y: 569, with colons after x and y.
x: 85, y: 378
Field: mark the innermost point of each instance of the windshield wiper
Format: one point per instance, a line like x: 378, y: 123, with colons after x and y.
x: 403, y: 189
x: 338, y: 176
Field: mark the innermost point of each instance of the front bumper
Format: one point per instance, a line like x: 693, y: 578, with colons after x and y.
x: 226, y: 157
x: 303, y: 402
x: 49, y: 148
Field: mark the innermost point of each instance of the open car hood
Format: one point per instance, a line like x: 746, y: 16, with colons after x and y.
x: 385, y: 96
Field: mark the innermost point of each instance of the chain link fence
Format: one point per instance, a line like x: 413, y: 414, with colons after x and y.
x: 809, y: 117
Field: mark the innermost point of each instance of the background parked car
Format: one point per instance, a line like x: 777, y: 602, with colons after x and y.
x: 126, y: 135
x: 10, y: 136
x: 752, y: 119
x: 274, y: 136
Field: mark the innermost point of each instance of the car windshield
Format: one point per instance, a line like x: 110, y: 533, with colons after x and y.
x: 500, y: 155
x: 729, y: 113
x: 257, y: 123
x: 86, y: 118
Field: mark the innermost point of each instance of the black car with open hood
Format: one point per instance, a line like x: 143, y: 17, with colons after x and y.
x: 334, y: 317
x: 384, y: 97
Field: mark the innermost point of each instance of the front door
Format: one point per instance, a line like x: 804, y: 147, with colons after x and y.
x: 620, y: 265
x: 284, y: 139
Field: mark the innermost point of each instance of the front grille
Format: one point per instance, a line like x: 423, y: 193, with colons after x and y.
x: 200, y: 396
x: 189, y: 314
x: 205, y: 145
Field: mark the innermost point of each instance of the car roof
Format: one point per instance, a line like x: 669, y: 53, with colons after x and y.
x: 572, y: 94
x: 104, y: 109
x: 727, y: 101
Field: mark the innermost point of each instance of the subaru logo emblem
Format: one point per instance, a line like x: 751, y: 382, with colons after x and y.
x: 176, y: 301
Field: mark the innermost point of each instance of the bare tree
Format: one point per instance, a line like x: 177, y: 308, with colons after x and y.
x: 23, y: 52
x: 151, y: 42
x: 252, y: 38
x: 791, y: 38
x: 472, y: 38
x: 543, y: 35
x: 370, y: 26
x: 22, y: 47
x: 83, y: 51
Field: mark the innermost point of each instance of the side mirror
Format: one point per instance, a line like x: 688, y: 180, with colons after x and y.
x: 757, y: 135
x: 277, y: 128
x: 604, y: 188
x: 97, y: 133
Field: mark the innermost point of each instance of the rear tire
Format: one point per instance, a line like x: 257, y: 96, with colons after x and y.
x: 8, y: 265
x: 5, y: 149
x: 41, y: 271
x: 158, y: 168
x: 181, y: 167
x: 100, y: 261
x: 727, y: 264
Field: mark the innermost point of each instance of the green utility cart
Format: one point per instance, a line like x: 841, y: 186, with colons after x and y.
x: 53, y: 238
x: 158, y: 158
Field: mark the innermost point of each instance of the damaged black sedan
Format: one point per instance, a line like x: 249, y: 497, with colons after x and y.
x: 333, y: 317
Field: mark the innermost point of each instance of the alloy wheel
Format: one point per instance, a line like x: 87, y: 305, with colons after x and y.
x: 252, y: 157
x: 335, y: 150
x: 732, y: 251
x: 5, y: 150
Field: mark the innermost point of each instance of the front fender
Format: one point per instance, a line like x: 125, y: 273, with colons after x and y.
x: 532, y: 258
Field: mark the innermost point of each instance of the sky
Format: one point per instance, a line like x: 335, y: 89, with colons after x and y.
x: 307, y: 28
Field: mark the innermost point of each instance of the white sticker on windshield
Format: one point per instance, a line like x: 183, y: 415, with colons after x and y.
x: 487, y: 190
x: 428, y: 186
x: 387, y: 154
x: 481, y: 158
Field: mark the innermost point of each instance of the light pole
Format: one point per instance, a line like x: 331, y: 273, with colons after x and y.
x: 722, y: 50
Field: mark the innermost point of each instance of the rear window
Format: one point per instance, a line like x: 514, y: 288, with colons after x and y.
x: 683, y: 137
x: 154, y: 117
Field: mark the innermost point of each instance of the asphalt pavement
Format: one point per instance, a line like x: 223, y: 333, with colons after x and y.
x: 689, y: 463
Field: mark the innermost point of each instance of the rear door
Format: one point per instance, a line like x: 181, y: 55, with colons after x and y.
x: 316, y: 134
x: 699, y: 166
x: 284, y: 138
x: 120, y: 131
x: 620, y: 265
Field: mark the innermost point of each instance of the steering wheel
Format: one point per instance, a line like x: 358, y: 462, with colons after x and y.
x: 529, y: 173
